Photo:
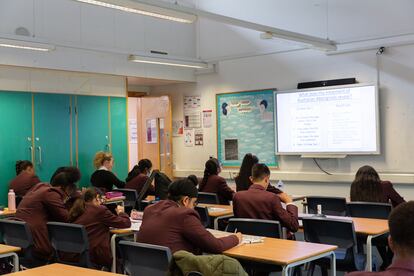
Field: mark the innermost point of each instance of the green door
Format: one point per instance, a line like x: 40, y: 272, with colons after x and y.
x: 92, y: 132
x: 15, y: 135
x: 119, y: 138
x: 52, y: 133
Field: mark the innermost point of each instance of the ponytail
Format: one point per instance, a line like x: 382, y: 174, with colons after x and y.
x: 142, y: 165
x: 22, y: 165
x: 211, y: 168
x: 79, y: 206
x: 100, y: 158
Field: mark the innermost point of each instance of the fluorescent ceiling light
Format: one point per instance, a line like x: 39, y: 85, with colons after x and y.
x: 25, y: 45
x: 170, y: 62
x: 143, y: 9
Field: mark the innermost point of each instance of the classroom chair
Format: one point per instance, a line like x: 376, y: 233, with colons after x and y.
x: 145, y: 259
x: 204, y: 216
x: 208, y: 198
x: 141, y: 196
x: 334, y: 232
x: 334, y: 206
x: 131, y: 197
x: 256, y: 227
x: 17, y: 233
x: 194, y: 273
x: 369, y: 210
x: 69, y: 238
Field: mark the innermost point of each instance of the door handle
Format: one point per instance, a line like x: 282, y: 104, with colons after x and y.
x: 31, y: 152
x: 108, y: 147
x: 39, y: 148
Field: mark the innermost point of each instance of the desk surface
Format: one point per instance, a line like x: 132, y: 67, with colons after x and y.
x: 4, y: 249
x: 7, y: 213
x: 276, y: 251
x: 62, y: 270
x: 125, y: 231
x: 114, y: 199
x: 216, y: 210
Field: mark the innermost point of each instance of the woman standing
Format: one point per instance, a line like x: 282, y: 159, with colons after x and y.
x: 103, y: 178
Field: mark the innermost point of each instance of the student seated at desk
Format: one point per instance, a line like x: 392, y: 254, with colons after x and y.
x: 213, y: 183
x: 97, y: 220
x: 103, y: 178
x: 46, y: 203
x: 243, y: 181
x: 175, y: 224
x: 25, y: 178
x: 257, y: 203
x: 401, y: 241
x: 368, y: 187
x: 138, y: 176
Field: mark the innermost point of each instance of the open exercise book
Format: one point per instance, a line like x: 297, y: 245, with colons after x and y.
x: 247, y: 239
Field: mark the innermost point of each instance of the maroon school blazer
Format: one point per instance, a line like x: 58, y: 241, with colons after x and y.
x: 42, y: 204
x: 390, y: 194
x: 397, y: 268
x: 257, y: 203
x: 217, y: 184
x: 138, y: 182
x: 22, y: 183
x: 178, y: 228
x: 97, y: 221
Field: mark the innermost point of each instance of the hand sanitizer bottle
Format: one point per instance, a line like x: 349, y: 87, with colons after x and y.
x: 280, y: 185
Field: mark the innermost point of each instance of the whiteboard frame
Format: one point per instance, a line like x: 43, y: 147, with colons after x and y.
x: 330, y: 153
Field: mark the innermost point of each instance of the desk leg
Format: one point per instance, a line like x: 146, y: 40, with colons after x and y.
x: 333, y: 264
x: 113, y: 251
x: 216, y: 219
x: 15, y: 262
x: 369, y: 253
x: 285, y: 270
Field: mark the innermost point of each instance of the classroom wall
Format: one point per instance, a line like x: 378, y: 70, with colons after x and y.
x: 283, y: 71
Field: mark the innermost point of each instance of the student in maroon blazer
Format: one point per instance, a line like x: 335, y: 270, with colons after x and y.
x: 138, y: 176
x: 401, y: 241
x: 97, y: 220
x: 368, y: 187
x: 175, y: 224
x: 25, y: 178
x: 213, y: 183
x: 257, y: 203
x: 46, y: 203
x: 243, y: 181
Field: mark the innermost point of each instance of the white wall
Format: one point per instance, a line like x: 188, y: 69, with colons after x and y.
x: 52, y: 81
x: 284, y: 71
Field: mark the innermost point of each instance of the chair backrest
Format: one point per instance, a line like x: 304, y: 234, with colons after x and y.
x: 207, y: 198
x: 204, y: 216
x: 369, y: 210
x: 162, y: 181
x: 70, y: 238
x: 334, y: 206
x: 194, y: 273
x: 145, y: 259
x: 145, y: 188
x: 130, y: 195
x: 257, y: 227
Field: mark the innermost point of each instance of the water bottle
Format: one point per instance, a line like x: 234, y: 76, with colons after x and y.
x: 280, y: 185
x: 12, y: 200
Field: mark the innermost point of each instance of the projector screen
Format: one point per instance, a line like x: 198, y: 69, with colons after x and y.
x: 328, y: 120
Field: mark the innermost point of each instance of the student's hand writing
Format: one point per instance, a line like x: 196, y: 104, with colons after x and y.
x: 285, y: 198
x: 120, y: 209
x: 239, y: 236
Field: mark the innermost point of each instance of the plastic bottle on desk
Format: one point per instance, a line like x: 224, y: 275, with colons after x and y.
x: 280, y: 185
x: 11, y: 200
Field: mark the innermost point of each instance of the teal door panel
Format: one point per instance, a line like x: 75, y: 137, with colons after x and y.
x: 52, y: 133
x: 15, y: 135
x: 92, y: 132
x: 119, y: 132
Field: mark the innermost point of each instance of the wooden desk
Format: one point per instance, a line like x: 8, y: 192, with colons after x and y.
x: 115, y: 200
x: 226, y: 211
x: 286, y: 253
x: 115, y: 234
x: 10, y: 251
x: 62, y: 270
x: 7, y: 213
x: 364, y: 226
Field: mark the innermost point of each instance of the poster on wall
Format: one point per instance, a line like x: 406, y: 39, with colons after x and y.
x: 178, y: 128
x: 198, y: 137
x: 189, y: 137
x: 152, y: 131
x: 133, y: 131
x: 245, y: 124
x: 207, y: 118
x: 192, y: 111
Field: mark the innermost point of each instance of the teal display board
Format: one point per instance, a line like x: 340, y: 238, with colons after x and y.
x: 245, y: 124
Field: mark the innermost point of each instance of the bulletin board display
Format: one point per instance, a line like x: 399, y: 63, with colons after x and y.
x: 245, y: 124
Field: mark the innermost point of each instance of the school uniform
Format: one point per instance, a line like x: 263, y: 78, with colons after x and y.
x: 390, y: 194
x: 217, y: 184
x: 397, y: 268
x: 178, y: 228
x: 137, y: 183
x: 22, y: 183
x: 257, y: 203
x: 41, y: 205
x: 104, y: 180
x: 97, y: 221
x: 241, y: 187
